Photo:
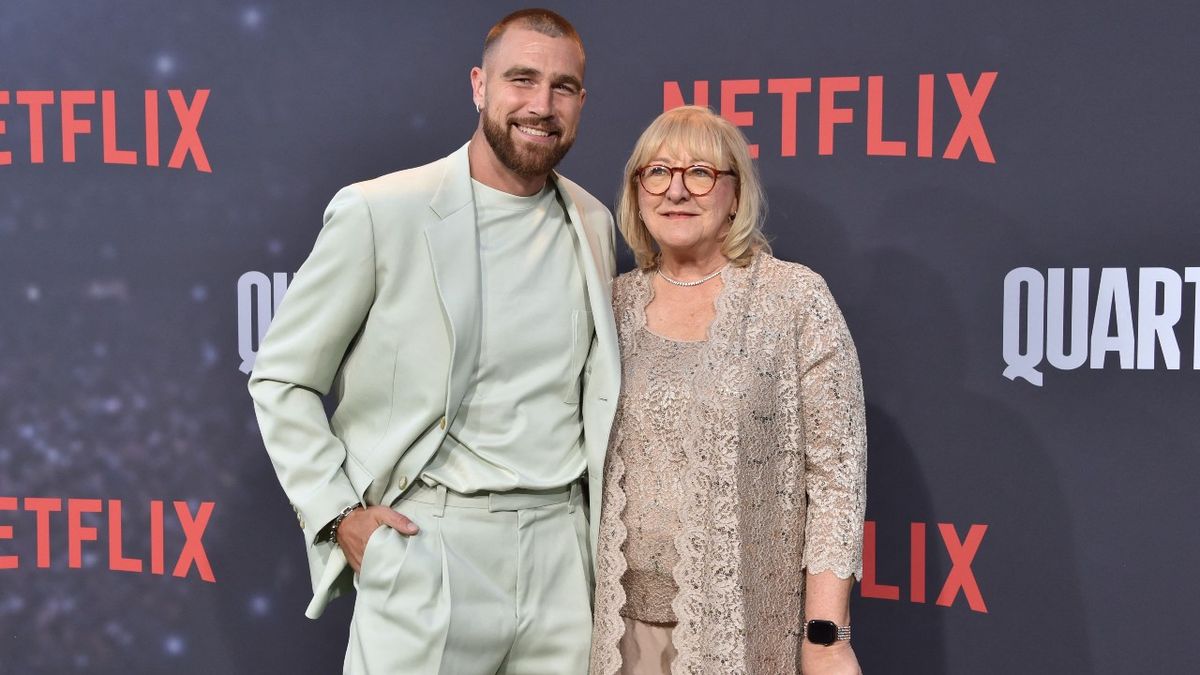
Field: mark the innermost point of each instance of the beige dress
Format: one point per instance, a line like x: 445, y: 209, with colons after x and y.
x: 771, y: 456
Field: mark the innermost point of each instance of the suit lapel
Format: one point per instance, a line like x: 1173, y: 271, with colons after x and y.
x: 596, y: 273
x: 603, y: 384
x: 595, y: 267
x: 454, y: 248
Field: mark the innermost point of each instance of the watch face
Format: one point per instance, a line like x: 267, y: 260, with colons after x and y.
x: 822, y: 632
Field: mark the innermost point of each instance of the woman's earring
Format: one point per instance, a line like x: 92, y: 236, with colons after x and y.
x: 732, y: 215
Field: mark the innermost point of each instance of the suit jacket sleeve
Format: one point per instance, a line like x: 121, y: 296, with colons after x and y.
x: 299, y: 358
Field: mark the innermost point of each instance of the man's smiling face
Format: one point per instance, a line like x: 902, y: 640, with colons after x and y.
x: 532, y: 94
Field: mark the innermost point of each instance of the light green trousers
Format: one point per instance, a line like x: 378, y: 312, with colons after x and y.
x: 492, y: 584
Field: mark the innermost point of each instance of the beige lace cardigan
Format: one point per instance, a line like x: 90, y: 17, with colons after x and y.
x: 775, y: 477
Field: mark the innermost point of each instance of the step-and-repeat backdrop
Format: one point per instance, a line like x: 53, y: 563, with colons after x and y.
x: 1001, y: 195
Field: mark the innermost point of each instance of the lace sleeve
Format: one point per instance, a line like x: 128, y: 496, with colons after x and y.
x: 835, y: 446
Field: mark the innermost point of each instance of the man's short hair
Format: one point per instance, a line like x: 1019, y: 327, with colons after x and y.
x: 544, y: 21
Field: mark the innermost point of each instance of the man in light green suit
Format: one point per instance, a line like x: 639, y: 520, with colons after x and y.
x: 459, y: 314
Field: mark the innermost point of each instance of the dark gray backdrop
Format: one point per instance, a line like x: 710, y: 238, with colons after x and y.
x: 119, y: 329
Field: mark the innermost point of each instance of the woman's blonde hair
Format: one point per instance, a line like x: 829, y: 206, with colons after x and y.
x: 702, y: 134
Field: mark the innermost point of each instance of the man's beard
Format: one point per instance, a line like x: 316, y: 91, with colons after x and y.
x: 531, y: 160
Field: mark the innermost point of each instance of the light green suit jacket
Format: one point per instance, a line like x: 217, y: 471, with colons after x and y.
x: 385, y: 316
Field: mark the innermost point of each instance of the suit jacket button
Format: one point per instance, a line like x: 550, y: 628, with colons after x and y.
x: 403, y: 482
x: 442, y: 422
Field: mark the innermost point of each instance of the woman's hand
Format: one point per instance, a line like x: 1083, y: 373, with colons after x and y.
x: 835, y: 659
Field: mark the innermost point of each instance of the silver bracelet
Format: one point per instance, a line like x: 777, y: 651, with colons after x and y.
x: 337, y: 522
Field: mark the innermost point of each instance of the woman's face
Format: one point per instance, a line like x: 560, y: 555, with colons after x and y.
x: 681, y: 222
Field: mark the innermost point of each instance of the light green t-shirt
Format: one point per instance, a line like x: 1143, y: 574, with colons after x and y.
x: 520, y: 423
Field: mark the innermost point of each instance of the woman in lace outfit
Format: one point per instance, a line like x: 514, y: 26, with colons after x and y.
x: 735, y: 483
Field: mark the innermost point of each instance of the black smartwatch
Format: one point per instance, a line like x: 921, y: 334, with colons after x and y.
x: 822, y: 632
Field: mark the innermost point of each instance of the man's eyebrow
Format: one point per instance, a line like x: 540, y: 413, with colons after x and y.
x: 518, y: 71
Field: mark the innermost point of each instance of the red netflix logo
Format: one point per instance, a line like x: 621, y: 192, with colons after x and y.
x: 72, y: 124
x: 192, y: 554
x: 961, y: 578
x: 969, y: 100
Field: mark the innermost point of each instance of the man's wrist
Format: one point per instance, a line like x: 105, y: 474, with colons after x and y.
x: 333, y: 525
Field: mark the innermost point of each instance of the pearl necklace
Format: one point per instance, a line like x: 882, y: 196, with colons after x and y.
x: 692, y: 283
